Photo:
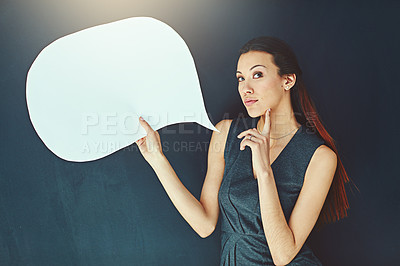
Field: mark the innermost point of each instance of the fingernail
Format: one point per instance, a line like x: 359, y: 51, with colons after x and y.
x: 141, y: 118
x: 269, y: 109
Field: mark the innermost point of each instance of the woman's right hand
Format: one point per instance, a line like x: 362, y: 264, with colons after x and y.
x: 150, y: 145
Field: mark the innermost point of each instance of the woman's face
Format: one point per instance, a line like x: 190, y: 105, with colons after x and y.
x: 260, y: 85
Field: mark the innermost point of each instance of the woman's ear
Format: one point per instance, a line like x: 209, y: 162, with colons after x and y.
x: 290, y: 80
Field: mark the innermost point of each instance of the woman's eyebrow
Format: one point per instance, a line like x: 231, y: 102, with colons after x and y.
x: 257, y: 66
x: 252, y: 68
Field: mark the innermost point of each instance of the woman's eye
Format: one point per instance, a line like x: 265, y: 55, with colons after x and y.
x: 240, y: 79
x: 258, y: 75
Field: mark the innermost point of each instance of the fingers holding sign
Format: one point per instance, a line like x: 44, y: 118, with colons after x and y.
x: 150, y: 145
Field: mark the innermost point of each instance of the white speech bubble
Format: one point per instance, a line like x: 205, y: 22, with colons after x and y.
x: 85, y: 91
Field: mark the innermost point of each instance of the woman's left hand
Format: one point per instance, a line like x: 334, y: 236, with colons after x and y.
x: 259, y: 145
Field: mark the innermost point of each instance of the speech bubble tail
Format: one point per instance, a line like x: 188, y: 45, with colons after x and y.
x: 209, y: 125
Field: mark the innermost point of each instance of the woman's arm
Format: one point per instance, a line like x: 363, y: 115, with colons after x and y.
x: 285, y: 240
x: 201, y: 215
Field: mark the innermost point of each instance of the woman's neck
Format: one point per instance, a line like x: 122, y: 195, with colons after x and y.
x: 282, y: 123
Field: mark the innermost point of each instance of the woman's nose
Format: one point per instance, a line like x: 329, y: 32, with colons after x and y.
x: 246, y: 88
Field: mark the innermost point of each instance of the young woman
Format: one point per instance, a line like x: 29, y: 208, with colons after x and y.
x: 269, y: 175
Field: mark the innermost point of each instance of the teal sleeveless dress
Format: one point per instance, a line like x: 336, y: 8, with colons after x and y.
x: 242, y: 236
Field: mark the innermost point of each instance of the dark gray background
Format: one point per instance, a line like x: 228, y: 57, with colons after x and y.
x: 114, y: 211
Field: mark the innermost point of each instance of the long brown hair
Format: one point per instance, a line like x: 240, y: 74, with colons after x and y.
x: 336, y: 203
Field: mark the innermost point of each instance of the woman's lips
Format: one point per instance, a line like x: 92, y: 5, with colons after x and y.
x: 250, y: 102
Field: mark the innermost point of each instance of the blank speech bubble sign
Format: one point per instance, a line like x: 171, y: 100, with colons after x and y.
x: 86, y: 91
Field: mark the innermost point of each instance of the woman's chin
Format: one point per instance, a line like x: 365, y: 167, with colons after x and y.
x: 253, y: 114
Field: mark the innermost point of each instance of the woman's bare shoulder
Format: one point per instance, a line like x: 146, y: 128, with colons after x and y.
x: 224, y: 125
x: 218, y: 139
x: 323, y: 152
x: 324, y: 158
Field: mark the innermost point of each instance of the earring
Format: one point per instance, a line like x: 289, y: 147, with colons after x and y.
x: 287, y: 87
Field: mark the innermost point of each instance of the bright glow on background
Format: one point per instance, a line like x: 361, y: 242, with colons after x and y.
x: 86, y: 90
